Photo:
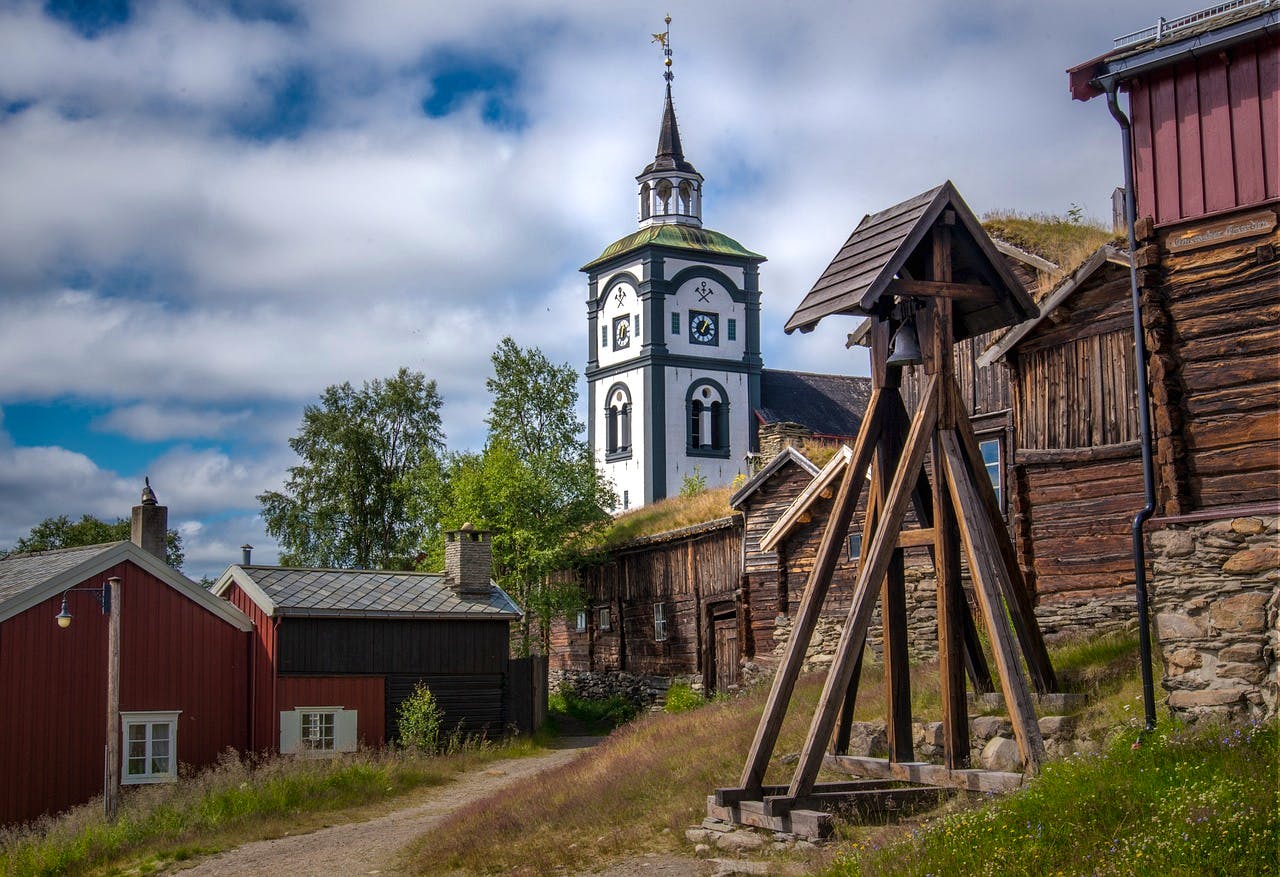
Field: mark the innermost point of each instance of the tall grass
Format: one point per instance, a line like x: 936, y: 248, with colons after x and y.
x: 636, y: 791
x: 231, y: 803
x: 1186, y: 803
x: 668, y: 514
x: 1061, y: 239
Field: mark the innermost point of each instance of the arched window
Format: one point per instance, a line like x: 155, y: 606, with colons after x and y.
x: 617, y: 412
x: 686, y: 198
x: 644, y: 201
x: 664, y: 196
x: 707, y: 405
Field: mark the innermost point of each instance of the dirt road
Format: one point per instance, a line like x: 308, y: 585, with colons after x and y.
x: 373, y: 847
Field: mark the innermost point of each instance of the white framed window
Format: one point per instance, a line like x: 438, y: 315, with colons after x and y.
x: 150, y: 750
x: 580, y: 623
x: 318, y: 730
x: 606, y: 620
x: 659, y: 622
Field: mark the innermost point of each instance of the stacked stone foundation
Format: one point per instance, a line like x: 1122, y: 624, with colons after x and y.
x: 1215, y: 599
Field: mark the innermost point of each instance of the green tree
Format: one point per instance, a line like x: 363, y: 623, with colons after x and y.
x: 62, y: 532
x: 535, y: 485
x: 347, y: 504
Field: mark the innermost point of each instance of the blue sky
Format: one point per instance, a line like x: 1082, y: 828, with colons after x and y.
x: 212, y: 209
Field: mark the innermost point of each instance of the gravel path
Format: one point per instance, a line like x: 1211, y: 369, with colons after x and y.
x: 373, y: 847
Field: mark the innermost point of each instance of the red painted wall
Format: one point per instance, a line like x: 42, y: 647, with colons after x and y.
x: 265, y: 730
x: 1206, y: 133
x: 365, y: 694
x: 175, y: 655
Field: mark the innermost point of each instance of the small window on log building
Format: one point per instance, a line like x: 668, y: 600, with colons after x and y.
x: 855, y: 545
x: 993, y: 458
x: 580, y: 623
x: 659, y: 622
x: 606, y: 622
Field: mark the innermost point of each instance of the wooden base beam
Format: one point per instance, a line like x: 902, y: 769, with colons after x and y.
x: 930, y: 774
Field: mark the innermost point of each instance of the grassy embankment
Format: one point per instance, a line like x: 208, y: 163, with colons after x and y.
x: 231, y: 804
x: 642, y: 787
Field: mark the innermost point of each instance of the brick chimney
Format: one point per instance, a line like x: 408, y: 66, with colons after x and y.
x: 150, y: 523
x: 468, y: 561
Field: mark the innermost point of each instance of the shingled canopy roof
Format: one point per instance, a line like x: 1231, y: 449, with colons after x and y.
x: 362, y: 593
x: 830, y: 405
x: 896, y: 244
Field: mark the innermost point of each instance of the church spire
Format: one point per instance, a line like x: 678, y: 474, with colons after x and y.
x: 670, y: 187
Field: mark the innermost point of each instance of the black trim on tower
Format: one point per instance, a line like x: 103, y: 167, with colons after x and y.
x: 655, y: 430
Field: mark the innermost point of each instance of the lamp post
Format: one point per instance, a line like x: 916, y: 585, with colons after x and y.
x: 109, y: 597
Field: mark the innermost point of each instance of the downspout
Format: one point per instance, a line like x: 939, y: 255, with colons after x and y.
x: 1144, y: 410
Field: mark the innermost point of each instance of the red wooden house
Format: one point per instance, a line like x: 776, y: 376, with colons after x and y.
x: 184, y: 693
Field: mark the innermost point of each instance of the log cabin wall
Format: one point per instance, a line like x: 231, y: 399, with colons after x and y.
x: 1077, y: 469
x: 683, y: 572
x: 1223, y: 303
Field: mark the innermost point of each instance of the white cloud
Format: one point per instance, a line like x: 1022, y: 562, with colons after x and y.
x: 151, y: 423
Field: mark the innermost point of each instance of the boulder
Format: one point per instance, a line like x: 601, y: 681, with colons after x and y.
x: 1001, y: 753
x: 740, y: 841
x: 1253, y: 560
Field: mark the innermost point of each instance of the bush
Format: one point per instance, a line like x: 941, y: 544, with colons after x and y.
x: 682, y: 698
x: 597, y: 714
x: 694, y: 483
x: 420, y: 718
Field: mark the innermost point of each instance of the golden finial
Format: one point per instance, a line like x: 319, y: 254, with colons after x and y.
x: 664, y: 39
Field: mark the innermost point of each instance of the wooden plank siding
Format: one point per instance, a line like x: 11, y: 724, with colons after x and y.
x: 264, y: 728
x: 683, y: 573
x: 364, y: 694
x: 175, y: 655
x: 1205, y: 133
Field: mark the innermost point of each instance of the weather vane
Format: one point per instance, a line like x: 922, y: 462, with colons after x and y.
x: 664, y: 40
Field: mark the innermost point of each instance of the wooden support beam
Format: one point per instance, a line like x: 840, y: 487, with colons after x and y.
x: 870, y: 573
x: 917, y: 538
x: 729, y: 797
x: 829, y: 550
x: 893, y: 598
x: 931, y: 774
x: 978, y: 536
x: 952, y: 610
x: 866, y: 803
x: 813, y: 824
x: 940, y: 289
x: 1028, y: 628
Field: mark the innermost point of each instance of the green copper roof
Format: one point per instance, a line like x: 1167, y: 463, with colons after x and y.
x: 681, y: 237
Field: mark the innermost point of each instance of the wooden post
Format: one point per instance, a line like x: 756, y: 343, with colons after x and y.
x: 815, y: 592
x: 978, y: 534
x: 111, y: 784
x: 870, y: 573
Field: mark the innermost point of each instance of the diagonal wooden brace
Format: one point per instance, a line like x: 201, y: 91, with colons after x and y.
x: 870, y: 574
x: 978, y: 535
x: 815, y: 593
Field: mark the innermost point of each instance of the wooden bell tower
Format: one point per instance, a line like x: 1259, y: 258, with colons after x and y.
x: 925, y: 264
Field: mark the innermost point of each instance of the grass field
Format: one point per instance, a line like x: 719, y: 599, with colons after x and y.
x: 231, y: 804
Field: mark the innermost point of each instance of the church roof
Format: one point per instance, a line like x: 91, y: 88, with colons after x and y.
x: 670, y: 154
x: 830, y: 405
x: 680, y: 237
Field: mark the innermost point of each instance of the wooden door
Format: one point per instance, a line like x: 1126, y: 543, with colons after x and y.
x: 726, y: 638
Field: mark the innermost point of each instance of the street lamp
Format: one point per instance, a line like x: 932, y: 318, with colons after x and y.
x: 108, y: 596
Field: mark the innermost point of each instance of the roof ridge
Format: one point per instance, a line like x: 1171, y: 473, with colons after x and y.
x: 789, y: 371
x: 398, y: 572
x: 48, y: 551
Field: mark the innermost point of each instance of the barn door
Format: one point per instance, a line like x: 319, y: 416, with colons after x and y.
x: 726, y: 643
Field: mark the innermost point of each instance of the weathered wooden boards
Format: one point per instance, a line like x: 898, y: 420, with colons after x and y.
x: 972, y: 780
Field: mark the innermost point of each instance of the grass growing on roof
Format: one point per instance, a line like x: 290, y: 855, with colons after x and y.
x: 1064, y: 240
x: 668, y: 514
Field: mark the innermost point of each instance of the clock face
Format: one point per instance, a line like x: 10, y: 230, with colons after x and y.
x: 703, y: 328
x: 621, y: 332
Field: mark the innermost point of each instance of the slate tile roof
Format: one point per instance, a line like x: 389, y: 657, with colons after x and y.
x: 21, y: 572
x: 830, y: 405
x: 352, y: 592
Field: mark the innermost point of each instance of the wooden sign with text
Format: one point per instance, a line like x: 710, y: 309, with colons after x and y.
x: 1221, y: 232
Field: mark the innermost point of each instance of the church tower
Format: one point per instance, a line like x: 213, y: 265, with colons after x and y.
x: 673, y: 337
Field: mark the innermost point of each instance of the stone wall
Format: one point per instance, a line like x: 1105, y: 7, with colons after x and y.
x: 1059, y: 619
x: 640, y: 690
x: 1215, y: 603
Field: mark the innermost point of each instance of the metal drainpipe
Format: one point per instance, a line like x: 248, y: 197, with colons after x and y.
x: 1144, y: 411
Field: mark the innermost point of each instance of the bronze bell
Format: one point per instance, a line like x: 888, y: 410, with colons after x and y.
x: 904, y: 349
